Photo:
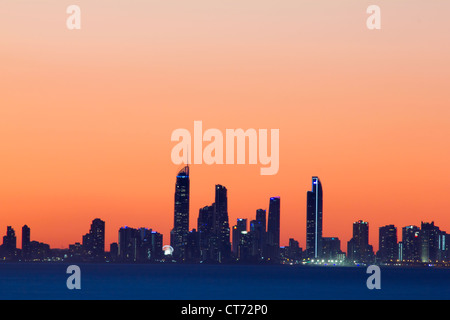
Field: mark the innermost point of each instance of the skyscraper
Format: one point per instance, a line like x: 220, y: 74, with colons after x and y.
x: 241, y: 225
x: 9, y: 247
x: 358, y: 248
x: 261, y: 218
x: 221, y: 223
x: 205, y: 227
x: 25, y: 242
x: 388, y: 246
x: 260, y: 234
x: 193, y: 253
x: 293, y: 251
x: 178, y: 235
x: 145, y: 244
x: 443, y: 246
x: 128, y: 244
x: 156, y: 245
x: 429, y: 240
x: 411, y: 244
x: 273, y: 230
x: 87, y: 246
x: 314, y: 212
x: 94, y: 241
x: 331, y: 248
x: 113, y: 251
x: 245, y: 247
x: 97, y: 232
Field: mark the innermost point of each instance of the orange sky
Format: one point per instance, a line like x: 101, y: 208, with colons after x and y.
x: 86, y: 115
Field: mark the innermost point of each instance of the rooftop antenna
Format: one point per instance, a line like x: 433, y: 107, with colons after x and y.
x: 187, y: 160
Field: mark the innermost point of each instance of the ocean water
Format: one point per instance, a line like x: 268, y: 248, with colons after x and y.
x: 218, y: 282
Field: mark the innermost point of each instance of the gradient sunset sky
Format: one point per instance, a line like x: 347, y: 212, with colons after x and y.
x: 86, y: 115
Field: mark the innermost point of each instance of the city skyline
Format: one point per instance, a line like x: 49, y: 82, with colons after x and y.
x: 302, y: 239
x: 312, y: 234
x: 213, y: 239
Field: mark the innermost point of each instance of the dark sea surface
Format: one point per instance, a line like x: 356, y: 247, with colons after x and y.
x: 218, y: 282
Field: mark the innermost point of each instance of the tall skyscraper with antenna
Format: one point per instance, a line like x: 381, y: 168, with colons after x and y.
x: 178, y: 235
x: 314, y: 220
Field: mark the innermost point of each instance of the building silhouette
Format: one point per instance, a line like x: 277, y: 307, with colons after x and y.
x: 39, y: 251
x: 97, y: 232
x: 206, y: 230
x: 75, y: 252
x: 245, y: 251
x: 221, y: 224
x: 128, y: 244
x: 429, y: 242
x: 193, y: 252
x: 93, y: 242
x: 26, y: 243
x: 293, y: 252
x: 178, y: 235
x: 8, y: 250
x: 273, y: 230
x: 331, y: 249
x: 444, y: 246
x: 139, y: 245
x: 314, y: 212
x: 149, y: 245
x: 411, y: 244
x: 241, y: 225
x: 113, y: 251
x: 260, y: 230
x: 358, y: 248
x: 388, y: 246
